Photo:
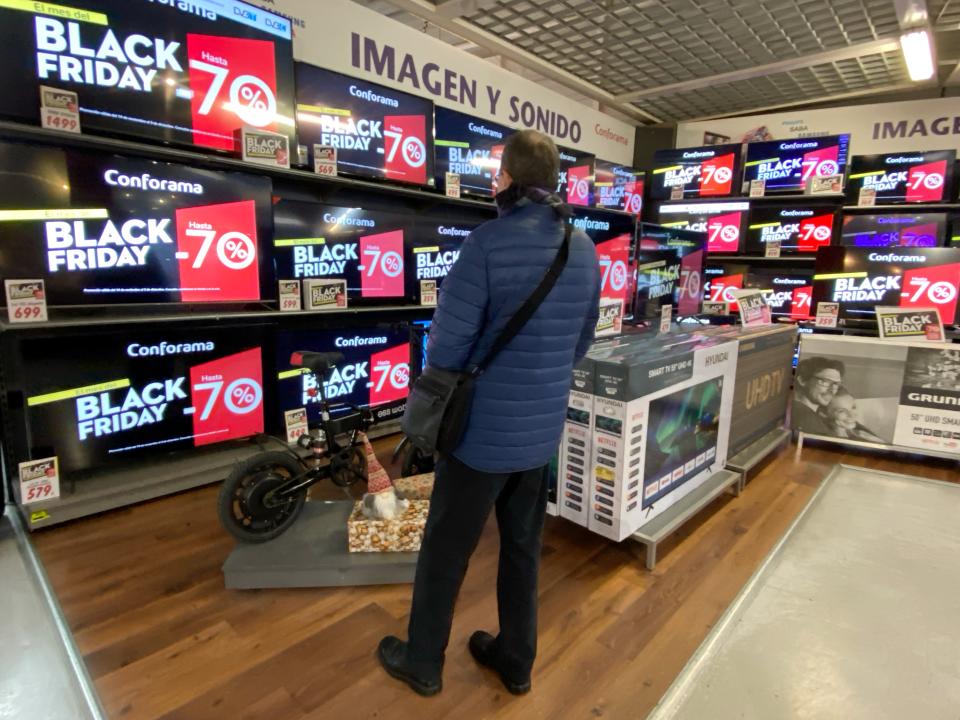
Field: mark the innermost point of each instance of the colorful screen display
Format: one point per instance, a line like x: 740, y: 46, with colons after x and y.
x: 375, y: 371
x: 798, y: 229
x: 914, y: 177
x: 106, y: 229
x: 786, y: 165
x: 724, y: 223
x: 575, y: 182
x: 378, y: 132
x: 721, y: 281
x: 182, y: 72
x: 789, y: 293
x: 711, y: 171
x: 469, y: 147
x: 862, y: 278
x: 613, y: 235
x: 902, y: 229
x: 364, y: 247
x: 618, y: 187
x: 435, y: 246
x: 669, y: 270
x: 114, y: 396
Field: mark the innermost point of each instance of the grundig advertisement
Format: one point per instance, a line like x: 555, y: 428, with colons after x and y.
x: 905, y: 394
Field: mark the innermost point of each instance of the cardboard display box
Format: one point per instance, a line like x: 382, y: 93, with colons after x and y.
x: 415, y: 487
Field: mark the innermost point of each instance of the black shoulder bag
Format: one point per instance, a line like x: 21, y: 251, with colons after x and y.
x: 439, y: 403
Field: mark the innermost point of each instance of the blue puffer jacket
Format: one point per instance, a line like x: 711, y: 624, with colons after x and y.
x: 520, y: 401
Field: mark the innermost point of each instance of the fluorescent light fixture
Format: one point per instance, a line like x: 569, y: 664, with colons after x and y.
x: 918, y: 54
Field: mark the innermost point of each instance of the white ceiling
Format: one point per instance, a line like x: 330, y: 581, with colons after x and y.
x: 653, y: 61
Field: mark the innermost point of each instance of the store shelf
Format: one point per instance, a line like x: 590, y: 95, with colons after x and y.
x: 19, y: 131
x: 775, y: 199
x: 903, y: 207
x: 802, y: 259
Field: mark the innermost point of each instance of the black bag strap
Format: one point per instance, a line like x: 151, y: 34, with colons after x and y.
x: 529, y: 307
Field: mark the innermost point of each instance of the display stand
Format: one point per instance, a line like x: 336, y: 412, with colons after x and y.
x: 653, y: 533
x: 313, y: 553
x: 755, y: 453
x: 801, y: 436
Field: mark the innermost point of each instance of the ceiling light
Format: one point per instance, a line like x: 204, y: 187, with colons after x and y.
x: 918, y: 54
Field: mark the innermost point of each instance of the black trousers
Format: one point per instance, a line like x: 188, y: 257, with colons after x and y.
x: 459, y: 507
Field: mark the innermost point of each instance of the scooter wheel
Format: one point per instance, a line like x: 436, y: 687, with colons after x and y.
x: 247, y: 505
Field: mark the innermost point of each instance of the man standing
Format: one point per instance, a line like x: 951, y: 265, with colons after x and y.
x: 818, y: 380
x: 515, y: 421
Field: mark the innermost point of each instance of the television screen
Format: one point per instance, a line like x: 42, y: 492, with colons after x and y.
x: 789, y: 293
x: 894, y: 230
x: 169, y: 71
x: 470, y: 147
x: 107, y: 229
x: 669, y: 270
x: 378, y: 132
x: 613, y: 235
x: 113, y: 396
x: 683, y: 430
x: 712, y: 171
x: 720, y: 282
x: 724, y: 223
x: 575, y: 182
x: 913, y: 177
x: 861, y: 278
x: 786, y: 165
x: 618, y: 187
x: 364, y: 247
x: 798, y: 229
x: 434, y: 247
x: 375, y: 372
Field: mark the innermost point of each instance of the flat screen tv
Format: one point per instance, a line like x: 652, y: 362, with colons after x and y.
x: 723, y: 222
x: 800, y: 229
x: 469, y: 147
x: 366, y: 248
x: 669, y: 270
x: 575, y: 182
x: 613, y: 234
x: 107, y: 229
x: 788, y: 292
x: 433, y: 248
x: 901, y: 229
x: 684, y: 173
x: 375, y: 372
x: 179, y: 72
x: 910, y: 177
x: 859, y: 279
x: 378, y: 132
x: 114, y: 396
x: 721, y: 281
x: 618, y: 187
x: 786, y: 165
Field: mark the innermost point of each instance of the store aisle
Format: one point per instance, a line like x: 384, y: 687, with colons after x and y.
x: 38, y: 680
x: 855, y: 615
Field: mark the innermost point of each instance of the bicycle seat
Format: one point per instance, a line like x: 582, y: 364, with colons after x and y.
x: 319, y: 363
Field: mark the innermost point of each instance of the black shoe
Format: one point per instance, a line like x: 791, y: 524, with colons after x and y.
x: 483, y: 647
x: 393, y: 657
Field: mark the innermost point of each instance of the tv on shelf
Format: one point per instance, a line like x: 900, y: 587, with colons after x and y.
x: 789, y: 293
x: 724, y: 222
x: 669, y: 270
x: 907, y: 177
x: 800, y: 229
x: 613, y: 234
x: 618, y: 187
x: 575, y: 184
x: 378, y: 132
x: 786, y: 165
x: 684, y: 173
x: 469, y: 147
x: 107, y: 229
x: 900, y: 229
x: 185, y: 73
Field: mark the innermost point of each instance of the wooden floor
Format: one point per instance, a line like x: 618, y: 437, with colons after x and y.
x: 142, y: 590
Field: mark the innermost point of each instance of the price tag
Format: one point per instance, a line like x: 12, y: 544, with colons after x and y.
x: 289, y: 295
x: 827, y: 314
x: 452, y: 184
x: 39, y: 480
x: 758, y: 188
x: 867, y: 198
x: 428, y: 293
x: 325, y: 160
x: 295, y: 422
x: 666, y: 317
x: 59, y: 109
x: 716, y: 308
x: 26, y: 301
x: 772, y: 249
x: 676, y: 193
